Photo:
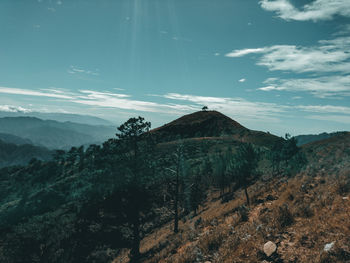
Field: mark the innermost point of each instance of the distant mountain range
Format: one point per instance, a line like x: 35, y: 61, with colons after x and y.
x: 61, y: 117
x: 305, y: 139
x: 52, y: 134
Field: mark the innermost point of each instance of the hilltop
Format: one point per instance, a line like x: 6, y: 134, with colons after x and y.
x: 211, y: 124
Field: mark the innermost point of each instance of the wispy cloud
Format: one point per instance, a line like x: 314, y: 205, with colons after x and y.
x: 8, y: 108
x: 325, y: 109
x: 79, y: 70
x: 321, y: 87
x: 102, y: 99
x: 315, y: 11
x: 334, y: 118
x: 243, y: 52
x: 36, y: 93
x: 328, y: 56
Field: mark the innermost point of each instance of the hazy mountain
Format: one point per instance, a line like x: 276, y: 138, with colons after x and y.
x: 54, y: 134
x: 61, y: 117
x: 12, y: 154
x: 10, y: 138
x: 304, y: 139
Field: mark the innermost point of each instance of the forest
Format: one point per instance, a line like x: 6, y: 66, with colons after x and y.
x: 86, y: 204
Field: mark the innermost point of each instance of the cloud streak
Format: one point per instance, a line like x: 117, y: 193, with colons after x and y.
x: 315, y: 11
x: 321, y: 87
x: 78, y: 70
x: 328, y: 57
x: 178, y: 104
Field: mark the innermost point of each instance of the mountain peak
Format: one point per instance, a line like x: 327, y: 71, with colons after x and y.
x: 210, y: 124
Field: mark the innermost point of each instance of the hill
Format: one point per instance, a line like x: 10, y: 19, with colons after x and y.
x: 53, y: 134
x: 95, y: 205
x: 304, y: 139
x: 305, y: 216
x: 21, y: 154
x: 204, y: 124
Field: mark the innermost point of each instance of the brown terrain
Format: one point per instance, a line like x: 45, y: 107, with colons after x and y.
x: 306, y: 216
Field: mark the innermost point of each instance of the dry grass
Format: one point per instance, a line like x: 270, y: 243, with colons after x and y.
x: 301, y: 215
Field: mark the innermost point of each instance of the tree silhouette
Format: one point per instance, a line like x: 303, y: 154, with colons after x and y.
x: 133, y: 141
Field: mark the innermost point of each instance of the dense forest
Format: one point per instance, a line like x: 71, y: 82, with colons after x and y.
x: 84, y: 205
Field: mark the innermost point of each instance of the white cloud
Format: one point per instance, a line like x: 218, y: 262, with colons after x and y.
x: 270, y: 88
x: 328, y: 56
x: 9, y: 108
x: 316, y: 10
x: 242, y: 80
x: 325, y: 109
x: 242, y: 52
x: 36, y: 93
x: 321, y: 87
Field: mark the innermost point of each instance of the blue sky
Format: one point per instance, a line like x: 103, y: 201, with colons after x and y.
x: 272, y: 65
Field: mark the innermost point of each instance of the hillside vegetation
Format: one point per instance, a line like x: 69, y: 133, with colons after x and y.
x: 175, y: 194
x: 12, y: 154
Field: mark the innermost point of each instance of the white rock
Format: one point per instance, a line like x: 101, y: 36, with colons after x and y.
x: 270, y: 248
x: 328, y: 246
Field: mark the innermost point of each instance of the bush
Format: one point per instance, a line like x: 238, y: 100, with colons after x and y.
x: 243, y: 212
x: 284, y: 217
x: 211, y: 241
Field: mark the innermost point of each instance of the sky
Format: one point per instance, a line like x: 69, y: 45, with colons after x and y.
x: 281, y: 66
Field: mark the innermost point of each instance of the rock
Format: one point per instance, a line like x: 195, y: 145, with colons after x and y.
x: 269, y: 248
x: 328, y: 246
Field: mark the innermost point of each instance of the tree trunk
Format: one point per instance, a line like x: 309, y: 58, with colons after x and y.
x: 135, y: 250
x: 176, y: 214
x: 246, y: 195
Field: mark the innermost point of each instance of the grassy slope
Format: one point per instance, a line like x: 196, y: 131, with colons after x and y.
x: 301, y: 215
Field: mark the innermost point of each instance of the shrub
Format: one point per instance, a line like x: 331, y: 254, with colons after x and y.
x: 284, y: 217
x: 243, y: 212
x: 211, y: 241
